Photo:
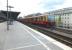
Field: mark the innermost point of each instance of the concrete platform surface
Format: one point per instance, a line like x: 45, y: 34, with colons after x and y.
x: 20, y: 37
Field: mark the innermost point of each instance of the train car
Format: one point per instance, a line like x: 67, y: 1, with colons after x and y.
x: 40, y: 20
x: 34, y: 20
x: 51, y: 21
x: 44, y: 20
x: 58, y: 21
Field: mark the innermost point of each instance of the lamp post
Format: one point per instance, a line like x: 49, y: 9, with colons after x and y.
x: 7, y: 17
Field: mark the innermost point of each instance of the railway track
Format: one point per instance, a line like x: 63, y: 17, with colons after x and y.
x: 63, y: 30
x: 60, y: 38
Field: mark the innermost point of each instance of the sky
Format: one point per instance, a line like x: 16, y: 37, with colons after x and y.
x: 35, y: 6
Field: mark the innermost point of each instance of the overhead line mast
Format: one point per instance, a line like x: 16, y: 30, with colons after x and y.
x: 7, y: 17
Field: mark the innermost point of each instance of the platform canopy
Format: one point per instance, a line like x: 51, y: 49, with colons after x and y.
x: 12, y: 15
x: 2, y: 16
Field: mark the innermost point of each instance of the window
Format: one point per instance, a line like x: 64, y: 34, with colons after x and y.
x: 68, y: 21
x: 68, y: 24
x: 65, y: 17
x: 68, y: 17
x: 65, y: 21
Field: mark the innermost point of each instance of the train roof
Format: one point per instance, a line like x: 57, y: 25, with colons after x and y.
x: 36, y: 16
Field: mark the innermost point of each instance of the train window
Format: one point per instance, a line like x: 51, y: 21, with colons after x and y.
x: 44, y: 18
x: 36, y: 19
x: 41, y: 18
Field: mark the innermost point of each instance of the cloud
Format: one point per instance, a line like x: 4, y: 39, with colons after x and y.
x: 67, y: 3
x: 26, y: 6
x: 56, y: 4
x: 51, y: 4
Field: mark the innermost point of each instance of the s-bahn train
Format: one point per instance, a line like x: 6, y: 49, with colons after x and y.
x: 42, y: 20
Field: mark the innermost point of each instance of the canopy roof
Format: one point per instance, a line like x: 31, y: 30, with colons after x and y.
x: 12, y: 15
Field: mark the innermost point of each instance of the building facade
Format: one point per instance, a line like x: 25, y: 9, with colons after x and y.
x: 63, y: 17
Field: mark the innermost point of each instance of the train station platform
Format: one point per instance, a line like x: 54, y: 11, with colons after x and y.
x: 21, y: 37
